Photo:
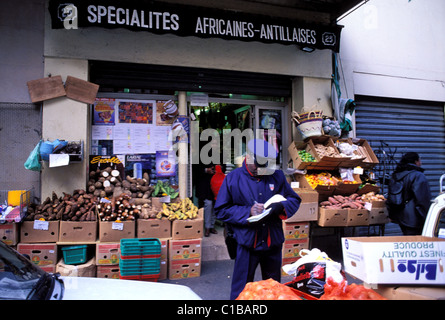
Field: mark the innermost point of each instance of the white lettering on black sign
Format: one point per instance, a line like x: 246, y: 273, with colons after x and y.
x: 184, y: 20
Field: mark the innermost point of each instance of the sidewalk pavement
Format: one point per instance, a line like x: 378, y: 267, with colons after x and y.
x: 216, y: 270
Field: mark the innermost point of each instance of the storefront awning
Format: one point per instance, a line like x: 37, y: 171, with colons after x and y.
x: 203, y: 22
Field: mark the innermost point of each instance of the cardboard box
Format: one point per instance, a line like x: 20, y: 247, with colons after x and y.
x: 323, y: 191
x: 110, y: 272
x: 369, y: 188
x: 81, y: 270
x: 185, y: 249
x: 326, y: 162
x: 29, y: 233
x: 296, y: 230
x: 154, y: 228
x: 306, y: 194
x: 51, y: 268
x: 46, y: 88
x: 41, y: 254
x: 81, y: 90
x: 365, y: 150
x: 107, y: 254
x: 190, y: 228
x: 164, y: 259
x: 395, y: 259
x: 378, y: 215
x: 411, y: 293
x: 163, y: 274
x: 76, y: 231
x: 110, y: 231
x: 357, y: 217
x: 9, y: 233
x: 332, y: 218
x: 184, y: 269
x: 291, y: 248
x: 307, y: 211
x: 293, y: 149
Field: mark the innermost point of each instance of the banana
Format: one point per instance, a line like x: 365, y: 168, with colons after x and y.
x: 182, y: 210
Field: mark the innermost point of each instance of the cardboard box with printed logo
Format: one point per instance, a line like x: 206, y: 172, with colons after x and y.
x: 9, y: 233
x: 296, y: 230
x: 107, y: 254
x: 395, y: 259
x: 185, y: 249
x: 184, y: 269
x: 41, y: 254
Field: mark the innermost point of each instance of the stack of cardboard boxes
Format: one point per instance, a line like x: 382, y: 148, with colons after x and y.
x: 296, y: 229
x: 43, y: 241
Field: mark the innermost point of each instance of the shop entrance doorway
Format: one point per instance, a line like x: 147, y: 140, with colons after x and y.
x: 265, y: 119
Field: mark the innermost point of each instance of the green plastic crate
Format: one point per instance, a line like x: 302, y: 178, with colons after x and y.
x: 140, y: 248
x: 75, y: 254
x: 140, y: 266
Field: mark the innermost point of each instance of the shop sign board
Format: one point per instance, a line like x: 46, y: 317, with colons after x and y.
x: 185, y: 20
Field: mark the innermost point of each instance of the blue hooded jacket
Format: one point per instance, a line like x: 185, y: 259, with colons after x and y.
x: 238, y: 194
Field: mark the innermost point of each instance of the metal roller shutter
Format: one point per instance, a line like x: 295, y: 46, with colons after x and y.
x: 156, y: 77
x: 394, y: 127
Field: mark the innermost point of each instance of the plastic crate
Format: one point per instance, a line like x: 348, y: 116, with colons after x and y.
x: 140, y: 266
x: 150, y: 277
x: 75, y: 254
x: 140, y: 248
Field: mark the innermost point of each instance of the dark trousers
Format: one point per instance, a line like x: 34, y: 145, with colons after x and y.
x: 409, y: 231
x: 246, y: 262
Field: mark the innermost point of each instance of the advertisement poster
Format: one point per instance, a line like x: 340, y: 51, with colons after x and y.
x: 165, y: 164
x: 166, y: 112
x: 138, y: 164
x: 98, y: 162
x: 133, y: 111
x: 103, y: 111
x: 181, y: 129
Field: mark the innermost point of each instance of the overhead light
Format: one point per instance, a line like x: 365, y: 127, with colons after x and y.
x: 307, y: 49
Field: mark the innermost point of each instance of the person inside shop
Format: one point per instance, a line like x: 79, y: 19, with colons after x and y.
x: 415, y: 191
x: 242, y: 195
x: 203, y: 174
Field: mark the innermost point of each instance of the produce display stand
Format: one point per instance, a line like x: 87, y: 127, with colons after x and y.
x: 320, y: 156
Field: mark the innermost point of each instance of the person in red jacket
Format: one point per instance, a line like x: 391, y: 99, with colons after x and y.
x: 242, y: 195
x: 217, y: 180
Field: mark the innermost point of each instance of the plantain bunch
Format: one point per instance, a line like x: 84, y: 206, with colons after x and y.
x: 185, y: 209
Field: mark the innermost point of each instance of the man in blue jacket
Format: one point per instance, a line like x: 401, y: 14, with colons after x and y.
x: 242, y: 195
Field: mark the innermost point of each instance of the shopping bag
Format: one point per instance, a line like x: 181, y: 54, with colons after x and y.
x: 33, y: 161
x: 312, y: 270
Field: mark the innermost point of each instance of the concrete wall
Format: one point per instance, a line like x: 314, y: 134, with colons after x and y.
x: 65, y: 119
x: 21, y: 47
x: 394, y: 49
x: 21, y: 60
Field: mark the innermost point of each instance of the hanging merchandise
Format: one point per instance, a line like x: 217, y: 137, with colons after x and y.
x: 309, y: 123
x: 33, y: 161
x: 331, y: 127
x: 343, y: 108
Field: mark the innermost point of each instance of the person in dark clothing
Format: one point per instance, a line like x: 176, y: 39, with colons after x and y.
x: 203, y: 175
x: 242, y: 195
x: 416, y: 194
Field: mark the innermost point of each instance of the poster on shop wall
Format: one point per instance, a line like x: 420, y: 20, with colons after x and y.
x: 165, y: 164
x: 133, y: 126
